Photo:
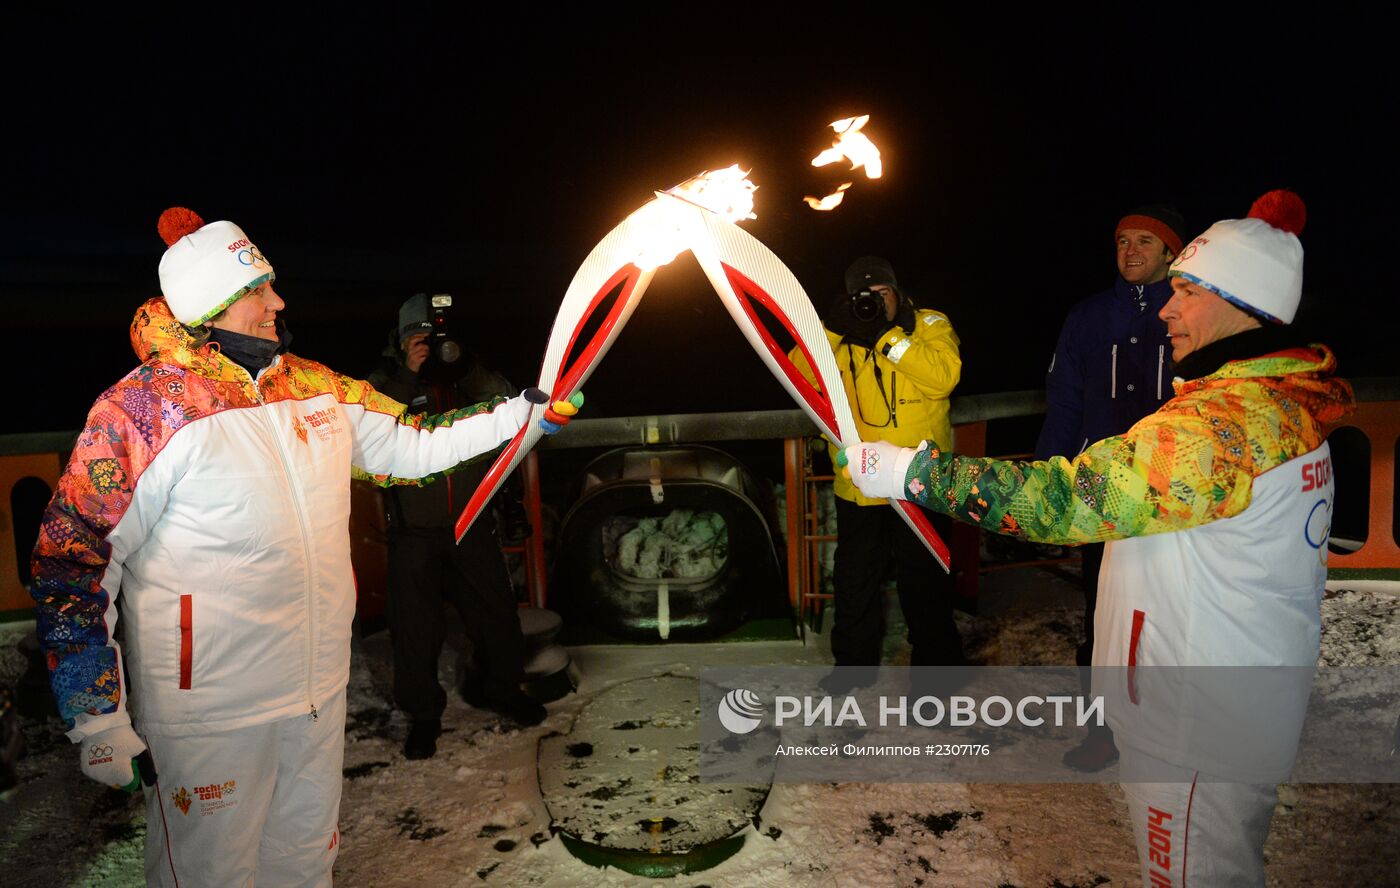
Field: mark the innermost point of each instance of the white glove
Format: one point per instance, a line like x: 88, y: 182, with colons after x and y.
x: 109, y: 757
x: 877, y: 468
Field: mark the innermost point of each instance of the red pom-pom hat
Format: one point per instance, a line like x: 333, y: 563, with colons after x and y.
x: 207, y: 268
x: 1255, y: 263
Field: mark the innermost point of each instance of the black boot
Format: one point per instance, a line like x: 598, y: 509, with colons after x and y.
x: 422, y: 739
x: 520, y: 707
x: 1096, y: 752
x: 845, y: 679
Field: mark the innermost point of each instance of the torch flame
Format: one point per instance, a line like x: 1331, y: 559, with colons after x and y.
x: 853, y: 145
x: 728, y: 193
x: 831, y: 201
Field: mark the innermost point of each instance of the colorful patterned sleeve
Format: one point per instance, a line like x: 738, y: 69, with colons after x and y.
x: 1173, y: 470
x: 357, y: 389
x: 75, y: 574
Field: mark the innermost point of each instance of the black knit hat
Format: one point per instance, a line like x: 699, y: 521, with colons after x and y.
x: 1160, y: 219
x: 414, y: 316
x: 869, y: 271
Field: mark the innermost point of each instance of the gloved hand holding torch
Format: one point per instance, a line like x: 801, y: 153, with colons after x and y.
x: 877, y: 468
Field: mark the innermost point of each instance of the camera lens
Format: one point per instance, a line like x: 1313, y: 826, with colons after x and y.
x: 449, y: 351
x: 867, y: 305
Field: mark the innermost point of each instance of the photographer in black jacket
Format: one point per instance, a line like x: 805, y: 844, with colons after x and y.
x: 427, y: 369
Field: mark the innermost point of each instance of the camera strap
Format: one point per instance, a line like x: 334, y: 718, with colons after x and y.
x: 887, y: 400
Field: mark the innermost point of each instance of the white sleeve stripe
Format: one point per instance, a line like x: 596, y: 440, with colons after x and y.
x: 898, y: 349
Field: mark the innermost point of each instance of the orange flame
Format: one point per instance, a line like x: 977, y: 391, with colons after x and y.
x: 727, y: 193
x: 853, y: 145
x: 831, y: 201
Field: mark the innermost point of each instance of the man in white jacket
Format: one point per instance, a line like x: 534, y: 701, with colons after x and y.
x: 209, y: 493
x: 1216, y: 509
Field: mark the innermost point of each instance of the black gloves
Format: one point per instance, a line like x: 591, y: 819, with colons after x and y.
x: 840, y: 318
x: 904, y: 316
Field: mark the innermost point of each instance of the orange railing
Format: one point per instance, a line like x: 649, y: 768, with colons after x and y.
x: 1379, y: 421
x: 37, y: 459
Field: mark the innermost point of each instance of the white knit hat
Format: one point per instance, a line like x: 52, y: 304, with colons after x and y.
x: 208, y: 267
x: 1255, y: 263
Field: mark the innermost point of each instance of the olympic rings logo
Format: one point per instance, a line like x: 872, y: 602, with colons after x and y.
x: 1190, y: 251
x: 97, y: 751
x: 251, y: 256
x: 1318, y: 528
x: 871, y: 462
x: 1323, y: 524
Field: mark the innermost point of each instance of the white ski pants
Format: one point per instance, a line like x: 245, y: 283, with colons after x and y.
x: 258, y: 805
x: 1194, y: 831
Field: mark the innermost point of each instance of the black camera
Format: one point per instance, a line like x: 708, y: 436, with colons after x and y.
x: 442, y: 344
x: 445, y: 349
x: 867, y: 305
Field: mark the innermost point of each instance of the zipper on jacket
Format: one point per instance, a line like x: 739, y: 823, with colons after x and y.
x: 1161, y: 362
x: 894, y: 398
x: 293, y: 485
x: 1113, y: 374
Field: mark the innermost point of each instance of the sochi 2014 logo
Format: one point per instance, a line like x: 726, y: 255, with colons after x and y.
x: 740, y: 711
x: 182, y: 799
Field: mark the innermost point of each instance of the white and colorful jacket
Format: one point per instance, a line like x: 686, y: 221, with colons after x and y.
x: 1218, y: 507
x: 215, y: 508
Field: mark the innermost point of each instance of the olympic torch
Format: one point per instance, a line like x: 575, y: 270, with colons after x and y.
x: 697, y: 215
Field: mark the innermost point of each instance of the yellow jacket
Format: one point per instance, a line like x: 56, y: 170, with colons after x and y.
x: 899, y: 389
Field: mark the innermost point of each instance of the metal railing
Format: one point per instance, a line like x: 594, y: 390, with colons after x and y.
x: 39, y: 455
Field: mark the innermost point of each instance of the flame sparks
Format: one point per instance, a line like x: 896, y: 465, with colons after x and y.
x: 831, y: 201
x: 727, y: 193
x: 853, y: 145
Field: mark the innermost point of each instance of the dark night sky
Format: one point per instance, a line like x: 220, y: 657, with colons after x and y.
x: 371, y: 157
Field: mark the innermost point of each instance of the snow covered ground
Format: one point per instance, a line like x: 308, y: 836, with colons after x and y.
x: 473, y: 814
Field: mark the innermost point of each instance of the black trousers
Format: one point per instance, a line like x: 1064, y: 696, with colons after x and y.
x: 426, y: 568
x: 1091, y: 556
x: 866, y: 538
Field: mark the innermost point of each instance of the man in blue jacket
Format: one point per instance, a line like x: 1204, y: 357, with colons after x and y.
x: 1112, y: 366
